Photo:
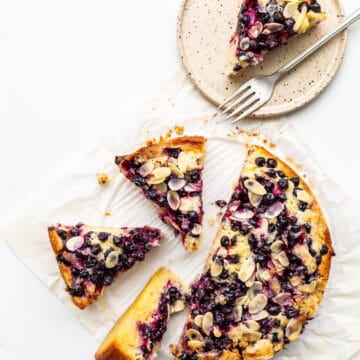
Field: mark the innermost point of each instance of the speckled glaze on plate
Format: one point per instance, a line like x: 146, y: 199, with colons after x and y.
x: 204, y: 31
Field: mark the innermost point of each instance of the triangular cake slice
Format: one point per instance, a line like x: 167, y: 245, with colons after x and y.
x: 267, y: 270
x: 89, y: 258
x: 265, y: 25
x: 138, y: 333
x: 169, y: 173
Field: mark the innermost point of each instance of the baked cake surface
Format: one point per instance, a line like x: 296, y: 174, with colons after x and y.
x: 139, y: 331
x: 169, y: 174
x: 265, y: 25
x: 89, y: 258
x: 267, y: 270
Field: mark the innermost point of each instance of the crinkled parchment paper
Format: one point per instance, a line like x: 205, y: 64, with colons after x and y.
x: 74, y: 195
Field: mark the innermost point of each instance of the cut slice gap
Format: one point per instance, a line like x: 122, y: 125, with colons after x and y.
x: 265, y: 25
x: 169, y: 174
x: 267, y: 270
x: 89, y: 258
x: 139, y: 331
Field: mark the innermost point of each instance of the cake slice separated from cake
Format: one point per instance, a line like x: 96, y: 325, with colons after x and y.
x: 265, y: 25
x: 169, y: 173
x: 89, y: 258
x: 267, y: 270
x: 139, y: 331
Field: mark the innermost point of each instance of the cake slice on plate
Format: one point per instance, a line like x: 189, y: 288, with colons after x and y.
x: 264, y: 25
x: 139, y: 331
x: 90, y: 257
x: 267, y: 270
x: 169, y: 173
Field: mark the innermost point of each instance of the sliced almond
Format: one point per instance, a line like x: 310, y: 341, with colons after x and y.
x: 112, y: 259
x: 247, y: 270
x: 173, y: 200
x: 293, y: 329
x: 262, y: 230
x: 259, y: 316
x: 271, y: 28
x: 255, y: 187
x: 252, y: 336
x: 176, y: 184
x: 222, y: 252
x: 243, y: 214
x: 254, y: 290
x: 195, y: 344
x: 255, y: 30
x: 199, y: 320
x: 295, y: 280
x: 302, y: 251
x: 192, y: 187
x: 175, y: 170
x: 277, y: 246
x: 241, y: 300
x: 146, y: 169
x: 216, y: 268
x: 237, y: 313
x: 161, y: 172
x: 217, y: 332
x: 193, y: 334
x: 208, y: 323
x: 189, y: 203
x: 251, y: 281
x: 162, y: 187
x: 300, y: 18
x: 263, y: 274
x: 178, y: 306
x: 252, y: 325
x: 151, y: 180
x: 282, y: 298
x: 254, y: 199
x: 75, y: 243
x: 291, y: 10
x: 258, y: 303
x: 274, y: 210
x: 282, y: 258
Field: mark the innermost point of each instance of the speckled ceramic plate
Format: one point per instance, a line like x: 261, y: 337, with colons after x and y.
x: 204, y: 31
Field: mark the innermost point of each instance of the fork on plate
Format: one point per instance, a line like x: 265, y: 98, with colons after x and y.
x: 258, y: 91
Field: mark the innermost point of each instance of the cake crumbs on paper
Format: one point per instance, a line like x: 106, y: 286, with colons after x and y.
x: 179, y: 130
x: 211, y: 221
x: 102, y: 178
x: 107, y: 213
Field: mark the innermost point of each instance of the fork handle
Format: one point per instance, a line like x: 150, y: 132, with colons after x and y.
x: 342, y: 26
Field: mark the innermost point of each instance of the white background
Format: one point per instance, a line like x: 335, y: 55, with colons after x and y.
x: 66, y: 69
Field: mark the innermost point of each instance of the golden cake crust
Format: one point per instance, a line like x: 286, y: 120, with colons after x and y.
x: 123, y: 339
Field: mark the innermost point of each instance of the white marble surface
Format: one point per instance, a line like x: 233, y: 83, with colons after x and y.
x: 66, y: 69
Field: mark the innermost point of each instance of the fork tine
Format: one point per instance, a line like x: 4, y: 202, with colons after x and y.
x: 251, y: 108
x: 248, y: 101
x: 242, y: 97
x: 235, y: 94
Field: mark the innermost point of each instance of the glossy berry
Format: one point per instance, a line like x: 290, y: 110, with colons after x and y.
x: 96, y: 249
x: 302, y: 205
x: 324, y: 250
x: 295, y: 181
x: 75, y: 231
x: 283, y: 184
x: 271, y: 163
x: 225, y: 241
x: 193, y: 216
x: 220, y: 203
x: 307, y: 228
x: 103, y: 236
x: 271, y: 173
x: 291, y: 312
x: 260, y: 161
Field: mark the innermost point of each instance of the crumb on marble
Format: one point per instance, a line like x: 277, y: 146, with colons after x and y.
x: 102, y: 178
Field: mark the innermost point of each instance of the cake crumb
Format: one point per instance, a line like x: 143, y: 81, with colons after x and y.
x: 107, y: 213
x: 179, y: 130
x: 211, y: 221
x: 102, y: 178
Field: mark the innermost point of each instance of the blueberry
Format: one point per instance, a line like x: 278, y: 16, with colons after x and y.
x: 63, y: 234
x: 108, y: 280
x: 194, y: 175
x: 296, y: 228
x: 220, y: 203
x: 302, y: 5
x: 271, y: 227
x: 234, y: 240
x: 234, y: 259
x: 139, y: 180
x: 301, y: 269
x: 283, y: 184
x: 83, y: 273
x: 245, y: 19
x: 307, y: 228
x: 281, y: 174
x: 302, y: 205
x: 324, y: 250
x: 235, y: 225
x: 76, y: 291
x: 278, y: 17
x: 315, y: 7
x: 244, y: 229
x: 173, y: 291
x: 289, y: 24
x: 276, y: 323
x: 252, y: 241
x: 140, y: 256
x: 291, y: 312
x: 254, y: 222
x: 75, y: 231
x: 271, y: 173
x: 295, y: 181
x: 312, y: 252
x: 103, y: 236
x: 117, y: 241
x: 151, y: 194
x: 173, y: 152
x: 282, y: 197
x: 274, y: 309
x: 260, y: 161
x: 271, y: 163
x: 225, y: 241
x: 193, y: 216
x: 96, y: 249
x: 268, y: 199
x: 90, y: 262
x: 237, y: 67
x: 269, y: 186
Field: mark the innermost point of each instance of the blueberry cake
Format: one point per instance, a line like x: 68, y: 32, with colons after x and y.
x: 169, y: 173
x: 265, y: 25
x: 89, y: 257
x: 267, y: 270
x: 139, y: 331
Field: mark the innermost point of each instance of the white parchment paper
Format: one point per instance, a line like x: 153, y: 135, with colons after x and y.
x: 74, y: 195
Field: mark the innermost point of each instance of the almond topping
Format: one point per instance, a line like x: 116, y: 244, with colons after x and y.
x: 257, y: 304
x: 247, y: 270
x: 255, y: 187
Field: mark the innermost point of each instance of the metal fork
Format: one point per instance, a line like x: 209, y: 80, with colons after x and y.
x: 258, y: 91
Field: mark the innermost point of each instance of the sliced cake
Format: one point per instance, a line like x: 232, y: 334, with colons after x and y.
x: 90, y: 257
x: 265, y: 25
x: 169, y: 173
x: 139, y: 331
x: 267, y: 269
